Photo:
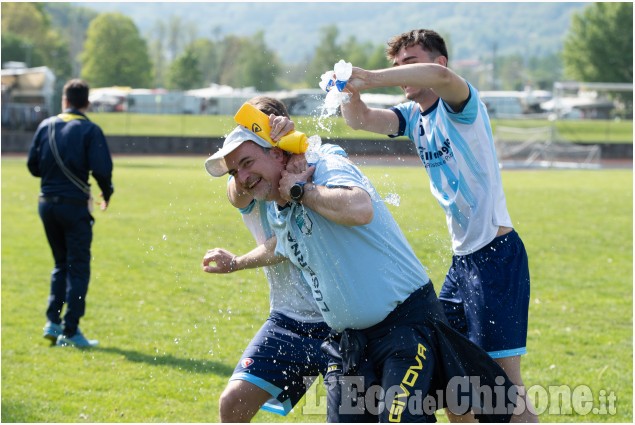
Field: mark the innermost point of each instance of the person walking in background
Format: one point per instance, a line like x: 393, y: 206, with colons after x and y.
x: 65, y: 149
x: 486, y: 291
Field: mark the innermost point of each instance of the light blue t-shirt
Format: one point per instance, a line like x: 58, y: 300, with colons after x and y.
x: 457, y: 150
x: 289, y: 294
x: 358, y: 274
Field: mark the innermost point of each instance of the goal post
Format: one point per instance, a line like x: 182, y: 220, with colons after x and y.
x: 544, y: 147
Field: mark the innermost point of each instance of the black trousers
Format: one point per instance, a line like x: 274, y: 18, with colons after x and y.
x: 415, y: 363
x: 68, y: 226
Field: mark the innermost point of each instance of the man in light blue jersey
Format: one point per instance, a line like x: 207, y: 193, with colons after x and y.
x: 367, y: 281
x: 486, y: 292
x: 284, y: 356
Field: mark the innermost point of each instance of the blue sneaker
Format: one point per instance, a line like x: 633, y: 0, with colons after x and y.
x: 78, y: 340
x: 52, y: 331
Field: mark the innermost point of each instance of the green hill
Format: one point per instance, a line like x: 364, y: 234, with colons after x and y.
x: 292, y: 29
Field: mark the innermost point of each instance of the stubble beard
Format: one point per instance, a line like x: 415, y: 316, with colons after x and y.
x: 262, y: 191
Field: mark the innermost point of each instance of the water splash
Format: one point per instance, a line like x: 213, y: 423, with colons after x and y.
x: 333, y: 100
x: 311, y: 153
x: 392, y: 199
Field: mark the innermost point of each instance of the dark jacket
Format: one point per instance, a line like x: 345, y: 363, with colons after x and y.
x: 82, y: 147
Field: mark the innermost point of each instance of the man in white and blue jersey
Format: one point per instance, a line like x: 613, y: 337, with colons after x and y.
x: 486, y: 291
x: 366, y: 279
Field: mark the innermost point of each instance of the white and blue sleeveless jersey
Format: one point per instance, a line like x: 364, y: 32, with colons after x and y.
x: 358, y: 274
x: 458, y: 153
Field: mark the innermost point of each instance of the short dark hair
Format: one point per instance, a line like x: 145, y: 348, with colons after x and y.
x: 76, y: 93
x: 429, y: 40
x: 269, y: 106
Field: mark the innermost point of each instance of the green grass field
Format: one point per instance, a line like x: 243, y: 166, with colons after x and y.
x: 170, y: 334
x: 582, y: 131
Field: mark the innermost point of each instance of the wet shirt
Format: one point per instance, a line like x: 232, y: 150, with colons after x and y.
x: 458, y: 153
x: 82, y: 147
x: 358, y: 274
x: 289, y: 294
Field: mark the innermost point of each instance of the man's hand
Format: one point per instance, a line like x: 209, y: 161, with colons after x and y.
x: 359, y: 81
x: 280, y: 126
x: 225, y: 261
x: 103, y: 204
x: 288, y: 179
x: 296, y: 164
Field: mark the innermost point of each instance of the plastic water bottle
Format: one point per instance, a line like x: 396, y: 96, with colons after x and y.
x: 338, y: 77
x: 334, y: 82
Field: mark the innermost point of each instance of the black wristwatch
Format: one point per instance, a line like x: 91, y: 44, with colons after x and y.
x: 297, y: 191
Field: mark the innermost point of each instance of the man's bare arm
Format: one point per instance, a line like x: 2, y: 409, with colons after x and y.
x: 219, y: 260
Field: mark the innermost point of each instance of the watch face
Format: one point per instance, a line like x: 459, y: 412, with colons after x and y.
x: 296, y: 192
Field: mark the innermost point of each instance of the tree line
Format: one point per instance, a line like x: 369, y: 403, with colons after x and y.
x: 107, y: 49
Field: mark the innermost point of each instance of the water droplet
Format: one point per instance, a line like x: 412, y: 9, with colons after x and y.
x: 165, y: 237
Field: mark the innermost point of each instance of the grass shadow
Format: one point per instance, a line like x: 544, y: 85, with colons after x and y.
x: 18, y: 412
x: 190, y: 365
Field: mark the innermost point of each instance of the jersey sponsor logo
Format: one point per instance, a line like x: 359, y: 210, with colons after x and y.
x: 304, y: 224
x: 313, y: 281
x: 436, y: 158
x: 445, y: 152
x: 246, y: 362
x: 400, y: 401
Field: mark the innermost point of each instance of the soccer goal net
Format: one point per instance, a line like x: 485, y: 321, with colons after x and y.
x: 542, y: 147
x: 545, y: 147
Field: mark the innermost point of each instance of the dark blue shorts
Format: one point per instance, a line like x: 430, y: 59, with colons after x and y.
x: 485, y: 296
x: 281, y: 357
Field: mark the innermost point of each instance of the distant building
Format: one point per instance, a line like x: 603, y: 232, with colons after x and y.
x: 503, y: 104
x: 219, y: 99
x: 579, y: 107
x: 109, y: 99
x: 301, y: 102
x: 215, y: 100
x: 515, y: 104
x: 27, y: 95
